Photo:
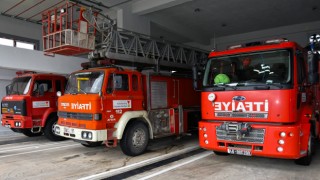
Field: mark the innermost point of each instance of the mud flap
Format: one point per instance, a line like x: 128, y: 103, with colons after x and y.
x: 111, y: 141
x: 304, y: 137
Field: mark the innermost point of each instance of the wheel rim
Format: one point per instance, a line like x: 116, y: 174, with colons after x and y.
x: 138, y: 138
x: 309, y: 146
x: 52, y: 128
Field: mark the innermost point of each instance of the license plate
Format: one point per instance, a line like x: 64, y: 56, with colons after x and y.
x: 7, y: 126
x: 69, y: 130
x: 239, y: 152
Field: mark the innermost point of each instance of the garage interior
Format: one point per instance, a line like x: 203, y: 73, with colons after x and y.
x: 202, y: 25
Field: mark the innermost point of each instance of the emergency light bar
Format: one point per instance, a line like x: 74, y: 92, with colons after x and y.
x: 256, y: 43
x: 99, y: 63
x: 20, y: 73
x: 276, y: 41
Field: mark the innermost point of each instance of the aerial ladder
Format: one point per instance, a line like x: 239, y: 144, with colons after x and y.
x: 72, y: 29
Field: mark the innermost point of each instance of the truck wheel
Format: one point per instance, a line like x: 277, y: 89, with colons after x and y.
x: 91, y: 144
x: 135, y: 139
x: 15, y: 130
x: 27, y: 132
x: 306, y: 160
x: 221, y: 153
x: 49, y: 130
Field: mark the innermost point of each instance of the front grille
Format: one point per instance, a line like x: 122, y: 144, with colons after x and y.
x: 14, y: 107
x: 79, y: 116
x: 241, y: 115
x: 254, y: 136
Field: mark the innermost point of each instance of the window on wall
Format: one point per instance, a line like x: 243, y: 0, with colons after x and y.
x: 19, y: 42
x: 6, y: 42
x: 25, y: 45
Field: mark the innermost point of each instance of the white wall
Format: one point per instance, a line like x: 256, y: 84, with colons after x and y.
x: 24, y: 59
x: 3, y: 84
x: 299, y: 33
x: 129, y: 21
x: 21, y: 28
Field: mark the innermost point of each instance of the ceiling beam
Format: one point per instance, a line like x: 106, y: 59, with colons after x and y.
x: 148, y: 6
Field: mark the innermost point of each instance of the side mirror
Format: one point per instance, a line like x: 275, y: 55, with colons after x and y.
x: 59, y: 93
x: 41, y: 90
x: 196, y: 74
x: 109, y: 90
x: 313, y: 76
x: 8, y: 89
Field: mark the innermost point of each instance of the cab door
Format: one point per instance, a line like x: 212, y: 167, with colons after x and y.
x: 41, y: 102
x: 118, y: 98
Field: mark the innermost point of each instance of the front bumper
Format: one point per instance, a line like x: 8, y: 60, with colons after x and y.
x: 78, y: 134
x: 16, y: 121
x: 270, y: 145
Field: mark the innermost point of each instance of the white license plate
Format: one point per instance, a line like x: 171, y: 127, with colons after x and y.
x: 7, y: 126
x: 239, y: 152
x: 69, y: 130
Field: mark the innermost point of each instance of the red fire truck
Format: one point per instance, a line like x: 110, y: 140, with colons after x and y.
x: 261, y: 99
x: 30, y: 106
x: 111, y: 104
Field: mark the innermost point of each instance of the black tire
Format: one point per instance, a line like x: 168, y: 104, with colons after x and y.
x: 49, y: 130
x: 16, y: 130
x: 91, y: 144
x: 218, y: 153
x: 27, y: 132
x: 135, y: 139
x: 306, y: 160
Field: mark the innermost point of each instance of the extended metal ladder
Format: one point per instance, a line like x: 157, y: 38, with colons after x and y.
x: 137, y: 48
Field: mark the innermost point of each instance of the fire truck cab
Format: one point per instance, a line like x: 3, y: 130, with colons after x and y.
x: 111, y: 104
x: 260, y: 99
x: 30, y: 106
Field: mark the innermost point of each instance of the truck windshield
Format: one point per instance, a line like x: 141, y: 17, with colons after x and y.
x: 20, y: 85
x: 268, y: 67
x: 85, y: 83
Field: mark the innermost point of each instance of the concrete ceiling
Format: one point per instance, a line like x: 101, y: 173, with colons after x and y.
x: 228, y: 17
x: 191, y: 20
x: 31, y: 10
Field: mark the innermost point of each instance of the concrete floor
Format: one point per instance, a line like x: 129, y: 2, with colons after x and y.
x: 37, y: 158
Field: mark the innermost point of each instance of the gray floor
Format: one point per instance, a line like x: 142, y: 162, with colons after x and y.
x: 37, y: 158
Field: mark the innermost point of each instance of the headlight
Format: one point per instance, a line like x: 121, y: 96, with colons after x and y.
x: 86, y: 135
x: 281, y: 141
x: 97, y: 116
x: 89, y: 135
x: 57, y: 130
x: 280, y: 149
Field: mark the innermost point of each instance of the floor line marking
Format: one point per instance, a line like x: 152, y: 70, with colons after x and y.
x: 139, y: 164
x: 6, y: 149
x: 36, y: 151
x: 191, y: 159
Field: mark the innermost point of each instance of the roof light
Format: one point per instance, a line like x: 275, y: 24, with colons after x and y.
x: 20, y: 73
x: 85, y: 65
x: 235, y: 46
x: 105, y: 62
x: 275, y: 41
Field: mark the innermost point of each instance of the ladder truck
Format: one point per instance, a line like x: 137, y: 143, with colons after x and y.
x: 30, y: 104
x: 261, y: 99
x: 106, y: 103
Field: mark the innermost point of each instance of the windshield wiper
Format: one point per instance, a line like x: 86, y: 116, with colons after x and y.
x: 267, y: 86
x: 82, y: 91
x: 279, y: 85
x: 260, y: 86
x: 74, y: 90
